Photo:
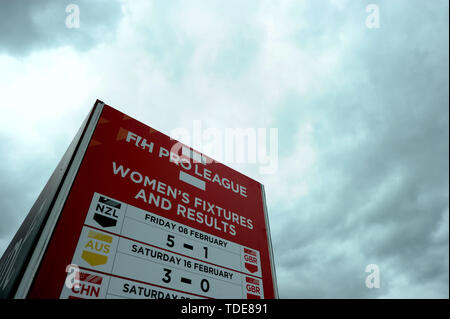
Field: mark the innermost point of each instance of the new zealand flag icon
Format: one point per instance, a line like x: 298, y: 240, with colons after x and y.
x: 106, y: 212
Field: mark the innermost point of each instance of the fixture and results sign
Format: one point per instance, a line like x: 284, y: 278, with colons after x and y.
x: 140, y: 215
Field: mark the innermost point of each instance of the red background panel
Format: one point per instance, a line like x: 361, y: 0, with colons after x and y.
x: 96, y: 175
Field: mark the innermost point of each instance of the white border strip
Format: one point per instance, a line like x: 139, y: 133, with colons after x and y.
x: 269, y: 240
x: 61, y: 197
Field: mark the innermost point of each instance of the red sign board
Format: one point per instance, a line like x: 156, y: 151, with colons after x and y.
x: 148, y: 217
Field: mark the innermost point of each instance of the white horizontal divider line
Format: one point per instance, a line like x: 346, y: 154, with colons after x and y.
x: 192, y: 180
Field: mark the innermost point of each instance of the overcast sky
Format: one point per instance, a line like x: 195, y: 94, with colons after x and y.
x: 362, y: 116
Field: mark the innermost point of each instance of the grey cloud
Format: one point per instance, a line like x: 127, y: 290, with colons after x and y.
x: 381, y: 190
x: 35, y: 25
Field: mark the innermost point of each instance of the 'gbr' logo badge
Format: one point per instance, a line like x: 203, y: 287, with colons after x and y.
x: 251, y: 260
